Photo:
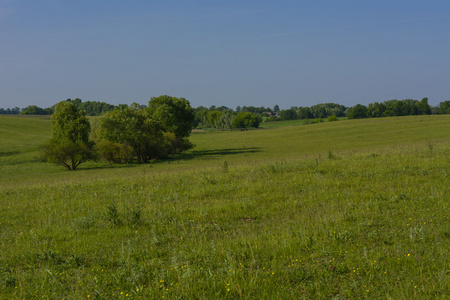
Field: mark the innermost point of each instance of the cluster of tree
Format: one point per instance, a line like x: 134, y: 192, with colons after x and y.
x: 124, y: 135
x: 225, y: 118
x: 36, y: 110
x: 390, y: 108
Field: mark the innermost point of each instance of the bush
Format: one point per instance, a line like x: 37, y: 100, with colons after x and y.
x: 317, y: 120
x: 115, y: 152
x: 332, y: 118
x: 175, y: 145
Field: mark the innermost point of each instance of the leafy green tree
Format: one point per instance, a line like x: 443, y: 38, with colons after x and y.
x: 174, y: 114
x: 358, y: 111
x: 212, y: 117
x: 444, y: 107
x: 424, y: 107
x: 200, y: 120
x: 318, y: 111
x: 247, y: 120
x: 131, y: 134
x: 288, y: 114
x: 324, y: 110
x: 304, y: 113
x: 226, y: 119
x: 376, y: 110
x: 70, y: 145
x: 33, y: 110
x: 276, y: 108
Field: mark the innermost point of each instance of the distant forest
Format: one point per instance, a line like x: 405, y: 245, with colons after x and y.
x: 223, y: 117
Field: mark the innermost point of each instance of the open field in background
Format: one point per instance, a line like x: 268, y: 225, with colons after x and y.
x: 340, y: 210
x: 21, y: 138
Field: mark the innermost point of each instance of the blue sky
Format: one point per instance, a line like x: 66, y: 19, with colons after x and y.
x: 224, y: 52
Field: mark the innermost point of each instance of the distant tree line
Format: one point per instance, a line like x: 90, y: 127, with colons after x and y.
x: 391, y: 108
x: 224, y: 118
x: 91, y: 108
x: 249, y: 116
x: 10, y: 111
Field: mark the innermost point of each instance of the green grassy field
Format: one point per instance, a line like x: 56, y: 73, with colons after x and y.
x: 355, y: 209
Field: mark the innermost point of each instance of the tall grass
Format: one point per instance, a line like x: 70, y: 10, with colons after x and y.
x: 361, y: 222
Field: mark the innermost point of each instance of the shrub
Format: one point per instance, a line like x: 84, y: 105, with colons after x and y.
x: 115, y: 152
x: 332, y: 118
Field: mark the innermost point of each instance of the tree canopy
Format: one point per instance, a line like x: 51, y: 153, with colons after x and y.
x: 70, y: 145
x: 142, y: 134
x: 246, y: 120
x: 174, y: 114
x: 130, y: 134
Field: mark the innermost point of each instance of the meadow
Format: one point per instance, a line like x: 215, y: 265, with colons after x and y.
x: 354, y: 209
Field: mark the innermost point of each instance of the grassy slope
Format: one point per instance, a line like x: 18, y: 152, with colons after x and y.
x: 285, y: 219
x: 20, y: 165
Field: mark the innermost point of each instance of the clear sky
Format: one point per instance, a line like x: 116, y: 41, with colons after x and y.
x: 224, y: 52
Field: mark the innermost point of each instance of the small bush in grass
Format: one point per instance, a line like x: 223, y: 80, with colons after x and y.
x: 113, y: 215
x: 332, y: 118
x: 317, y: 120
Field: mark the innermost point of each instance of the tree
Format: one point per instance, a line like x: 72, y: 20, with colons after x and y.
x: 304, y: 113
x: 276, y: 108
x: 200, y: 120
x: 376, y: 110
x: 70, y: 145
x: 444, y: 107
x: 318, y: 111
x: 131, y: 134
x: 212, y: 117
x: 174, y: 114
x: 246, y: 120
x: 358, y: 111
x: 288, y: 114
x: 226, y: 119
x: 324, y: 110
x: 424, y: 108
x: 33, y: 110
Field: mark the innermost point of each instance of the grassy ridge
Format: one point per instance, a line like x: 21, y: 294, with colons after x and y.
x: 343, y: 210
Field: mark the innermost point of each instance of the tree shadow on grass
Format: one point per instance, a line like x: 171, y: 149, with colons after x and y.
x: 208, y: 154
x: 205, y: 154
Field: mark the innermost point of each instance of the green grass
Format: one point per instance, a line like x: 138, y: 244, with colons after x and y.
x: 340, y: 210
